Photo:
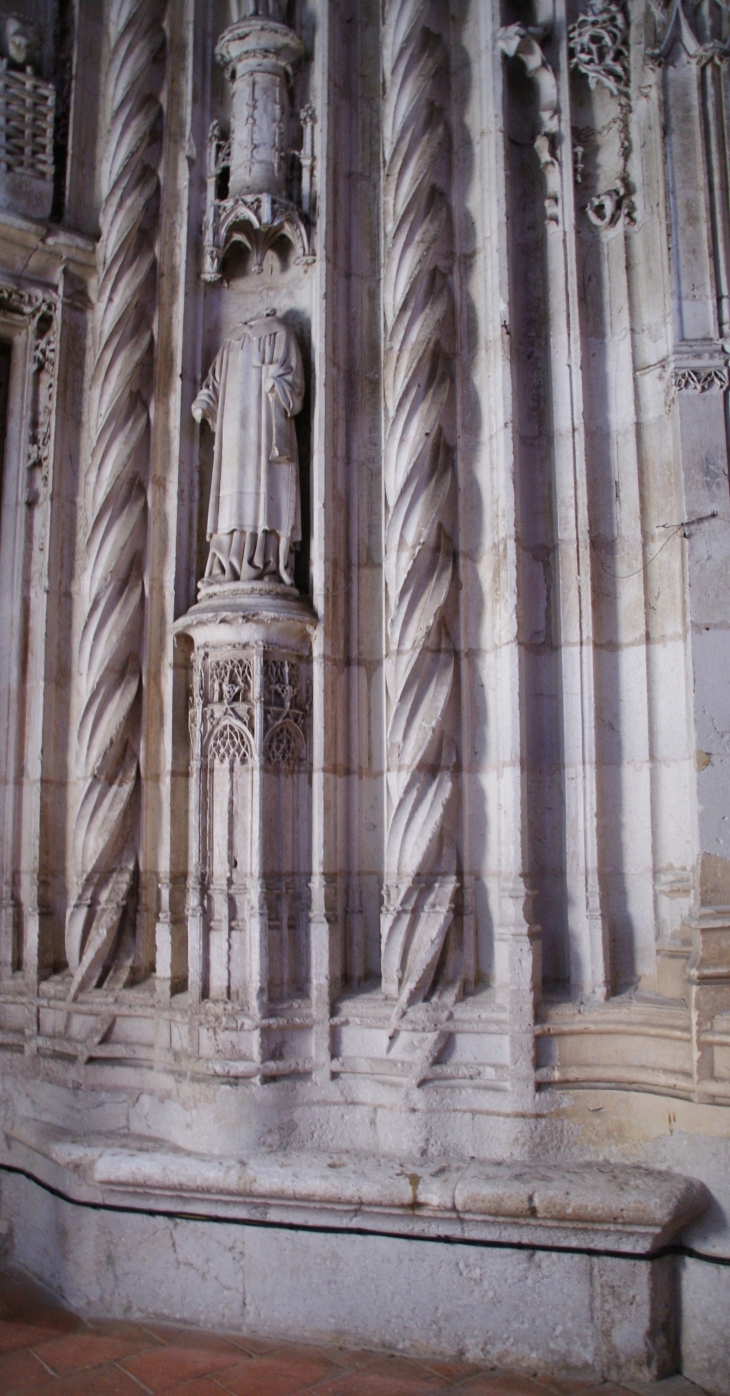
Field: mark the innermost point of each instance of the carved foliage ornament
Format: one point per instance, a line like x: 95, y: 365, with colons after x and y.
x: 39, y: 308
x: 599, y: 49
x: 599, y: 46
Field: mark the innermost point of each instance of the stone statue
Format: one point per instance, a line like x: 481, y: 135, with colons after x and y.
x: 253, y: 391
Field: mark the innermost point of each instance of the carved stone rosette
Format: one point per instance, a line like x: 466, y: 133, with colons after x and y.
x: 109, y: 673
x: 420, y: 880
x: 250, y: 797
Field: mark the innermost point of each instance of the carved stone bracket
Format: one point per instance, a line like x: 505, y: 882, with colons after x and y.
x: 247, y: 198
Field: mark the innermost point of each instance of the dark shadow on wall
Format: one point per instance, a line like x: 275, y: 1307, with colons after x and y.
x: 545, y: 853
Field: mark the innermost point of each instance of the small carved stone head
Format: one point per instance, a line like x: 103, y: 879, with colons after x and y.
x: 22, y: 40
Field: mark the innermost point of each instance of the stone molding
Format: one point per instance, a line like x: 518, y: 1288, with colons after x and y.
x: 107, y: 759
x: 597, y: 1206
x: 701, y: 365
x: 418, y: 473
x: 516, y: 41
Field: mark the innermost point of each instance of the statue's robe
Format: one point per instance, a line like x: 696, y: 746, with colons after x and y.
x: 253, y: 390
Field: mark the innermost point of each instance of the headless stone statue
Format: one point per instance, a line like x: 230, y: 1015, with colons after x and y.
x: 252, y: 393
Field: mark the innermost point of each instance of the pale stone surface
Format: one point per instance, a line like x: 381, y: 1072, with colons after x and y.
x: 549, y: 1311
x: 383, y: 884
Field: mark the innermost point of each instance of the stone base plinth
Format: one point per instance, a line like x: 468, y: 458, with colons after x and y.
x: 539, y: 1310
x: 549, y: 1268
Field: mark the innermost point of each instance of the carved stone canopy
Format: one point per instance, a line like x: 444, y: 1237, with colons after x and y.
x: 259, y: 54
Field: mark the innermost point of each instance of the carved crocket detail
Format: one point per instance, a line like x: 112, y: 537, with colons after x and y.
x: 107, y: 755
x: 418, y: 478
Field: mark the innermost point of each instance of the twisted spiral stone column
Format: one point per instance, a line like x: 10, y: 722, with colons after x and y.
x: 107, y: 756
x: 418, y: 472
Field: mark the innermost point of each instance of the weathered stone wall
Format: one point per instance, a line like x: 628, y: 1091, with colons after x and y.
x: 384, y: 825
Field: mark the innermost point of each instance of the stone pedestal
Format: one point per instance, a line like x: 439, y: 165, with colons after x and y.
x: 250, y: 795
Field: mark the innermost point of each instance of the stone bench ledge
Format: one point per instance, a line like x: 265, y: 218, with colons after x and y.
x: 594, y: 1206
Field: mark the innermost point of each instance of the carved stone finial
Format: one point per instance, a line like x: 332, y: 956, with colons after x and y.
x: 259, y: 54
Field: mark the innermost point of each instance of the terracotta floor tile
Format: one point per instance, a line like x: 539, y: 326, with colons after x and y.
x: 196, y: 1338
x: 573, y: 1386
x: 275, y: 1375
x: 352, y: 1359
x: 374, y: 1384
x: 199, y: 1386
x: 501, y: 1384
x: 123, y: 1328
x: 23, y: 1335
x: 19, y: 1371
x: 258, y: 1347
x: 410, y: 1369
x: 101, y: 1381
x: 302, y: 1352
x: 449, y: 1367
x: 75, y: 1351
x: 29, y: 1302
x: 161, y: 1367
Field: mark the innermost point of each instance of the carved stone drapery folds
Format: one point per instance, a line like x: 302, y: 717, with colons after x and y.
x: 420, y: 878
x: 107, y: 754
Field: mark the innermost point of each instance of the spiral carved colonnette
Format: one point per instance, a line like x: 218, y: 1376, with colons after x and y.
x: 105, y: 833
x: 418, y: 470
